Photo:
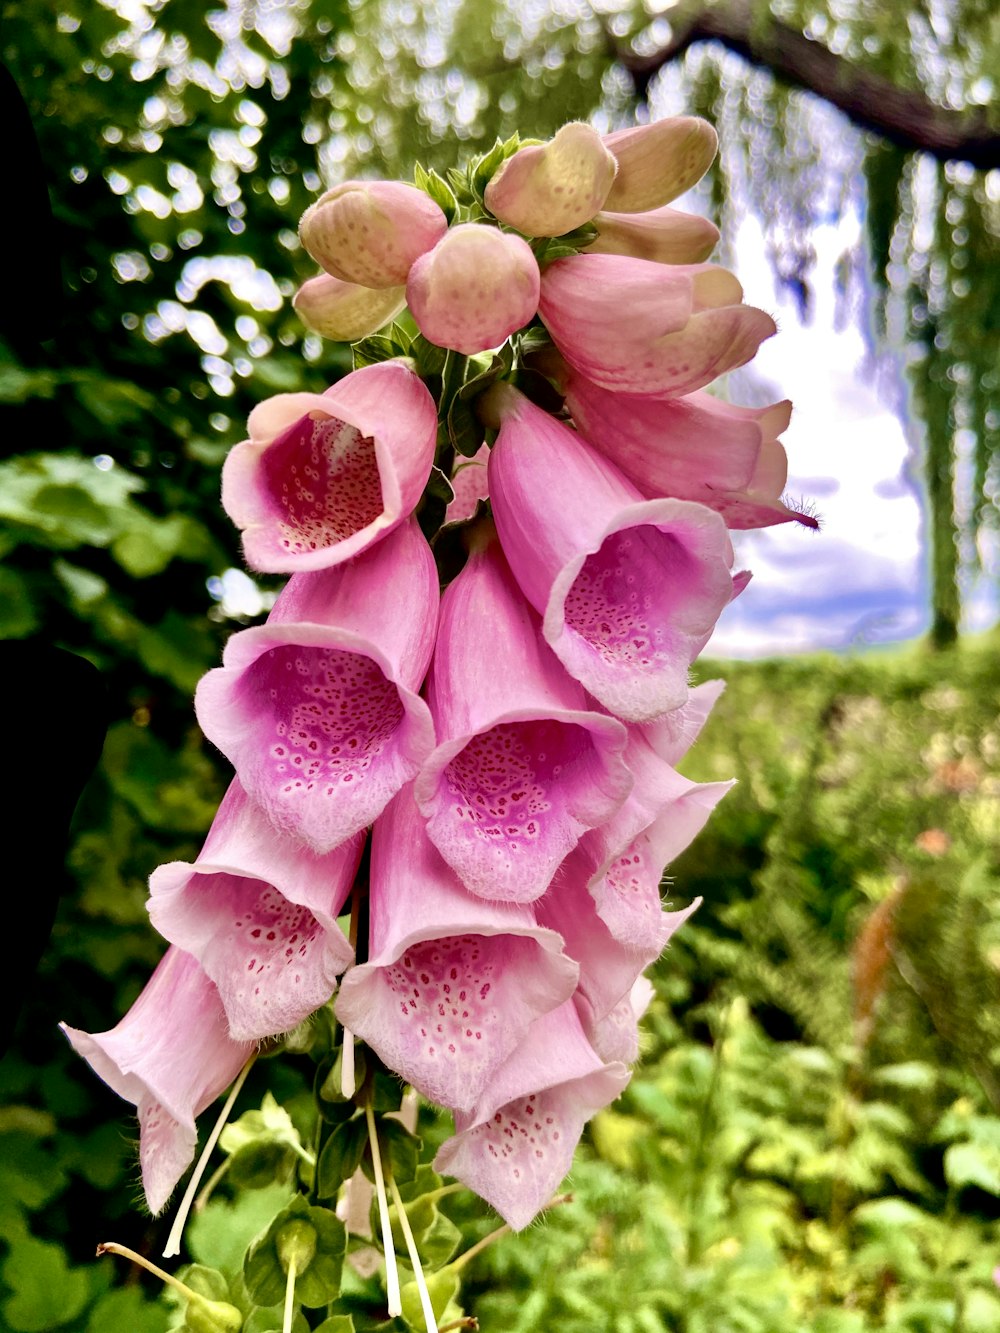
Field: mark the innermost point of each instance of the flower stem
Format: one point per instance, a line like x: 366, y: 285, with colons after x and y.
x: 286, y: 1323
x: 411, y: 1249
x: 173, y: 1245
x: 348, y: 1082
x: 210, y: 1185
x: 112, y: 1247
x: 481, y: 1245
x: 391, y: 1271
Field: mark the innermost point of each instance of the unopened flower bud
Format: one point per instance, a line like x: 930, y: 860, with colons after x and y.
x: 474, y: 288
x: 343, y: 311
x: 549, y: 189
x: 658, y: 162
x: 665, y: 235
x: 370, y: 232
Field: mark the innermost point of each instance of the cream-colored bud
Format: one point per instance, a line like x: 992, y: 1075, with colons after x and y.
x: 345, y: 311
x: 658, y: 162
x: 664, y: 235
x: 552, y: 188
x: 370, y: 232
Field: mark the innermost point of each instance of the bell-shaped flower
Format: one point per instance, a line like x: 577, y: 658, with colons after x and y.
x: 664, y: 235
x: 523, y: 766
x: 517, y: 1144
x: 659, y: 161
x: 452, y: 982
x: 343, y: 311
x: 638, y: 327
x: 469, y: 486
x: 694, y: 447
x: 317, y: 709
x: 325, y: 475
x: 551, y: 188
x: 616, y: 1035
x: 259, y: 912
x: 171, y: 1056
x: 623, y: 860
x: 629, y: 589
x: 370, y: 232
x: 474, y: 289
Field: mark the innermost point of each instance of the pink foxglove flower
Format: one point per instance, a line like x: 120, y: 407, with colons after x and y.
x: 318, y: 709
x: 259, y: 912
x: 469, y: 486
x: 694, y: 447
x: 659, y: 161
x: 452, y: 982
x: 635, y: 326
x: 664, y: 235
x: 551, y: 188
x: 517, y: 1144
x: 343, y: 311
x: 629, y: 589
x: 171, y: 1056
x: 474, y: 289
x: 616, y: 1036
x: 325, y: 475
x: 370, y: 232
x: 523, y: 766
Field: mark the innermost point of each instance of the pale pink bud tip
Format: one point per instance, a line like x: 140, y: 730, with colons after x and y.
x: 551, y: 188
x: 474, y: 289
x: 658, y: 162
x: 370, y: 232
x: 343, y: 311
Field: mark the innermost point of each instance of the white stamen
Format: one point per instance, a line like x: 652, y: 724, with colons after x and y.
x: 286, y: 1323
x: 411, y: 1249
x: 391, y: 1271
x: 173, y: 1245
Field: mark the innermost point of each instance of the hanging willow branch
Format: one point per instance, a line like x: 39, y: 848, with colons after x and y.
x: 903, y: 116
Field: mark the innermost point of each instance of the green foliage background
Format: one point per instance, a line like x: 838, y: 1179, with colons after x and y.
x: 812, y: 1141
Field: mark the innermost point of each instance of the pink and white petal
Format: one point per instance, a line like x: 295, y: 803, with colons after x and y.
x: 452, y: 982
x: 324, y: 476
x: 524, y: 766
x: 518, y: 1144
x: 469, y: 486
x: 320, y: 716
x: 259, y: 912
x: 166, y: 1150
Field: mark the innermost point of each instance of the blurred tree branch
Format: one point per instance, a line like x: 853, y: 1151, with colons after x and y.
x: 902, y: 115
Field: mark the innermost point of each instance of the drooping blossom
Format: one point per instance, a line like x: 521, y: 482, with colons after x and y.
x: 639, y: 327
x: 695, y: 447
x: 629, y: 589
x: 551, y: 188
x: 523, y: 767
x: 323, y: 476
x: 517, y: 1144
x: 659, y: 161
x: 474, y: 289
x: 318, y: 709
x: 452, y: 982
x: 259, y: 912
x: 664, y: 235
x: 343, y: 311
x: 370, y: 232
x: 171, y: 1056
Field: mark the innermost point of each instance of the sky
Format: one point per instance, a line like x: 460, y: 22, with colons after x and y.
x: 862, y: 578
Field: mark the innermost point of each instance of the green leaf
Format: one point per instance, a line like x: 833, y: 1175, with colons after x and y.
x: 126, y: 1310
x: 341, y: 1156
x: 338, y: 1323
x: 437, y: 189
x: 377, y: 348
x: 973, y: 1164
x: 18, y: 617
x: 441, y: 1287
x: 46, y: 1292
x: 221, y: 1232
x: 399, y: 1150
x: 429, y: 357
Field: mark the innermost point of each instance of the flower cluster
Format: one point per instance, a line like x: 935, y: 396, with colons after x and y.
x: 509, y: 746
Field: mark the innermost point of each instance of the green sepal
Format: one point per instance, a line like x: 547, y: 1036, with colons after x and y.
x: 315, y: 1035
x: 329, y: 1087
x: 271, y: 1320
x: 267, y: 1162
x: 384, y: 1090
x: 265, y: 1267
x: 483, y: 169
x: 438, y: 189
x: 399, y: 1149
x: 465, y: 431
x: 341, y: 1156
x: 264, y: 1146
x: 435, y: 1235
x: 441, y: 1287
x: 211, y: 1311
x: 429, y: 357
x: 373, y: 350
x: 549, y: 248
x: 337, y: 1323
